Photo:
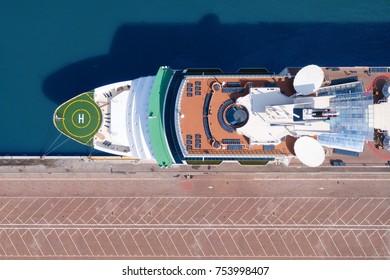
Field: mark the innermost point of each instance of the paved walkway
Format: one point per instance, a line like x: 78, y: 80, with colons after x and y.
x: 161, y: 227
x: 215, y: 214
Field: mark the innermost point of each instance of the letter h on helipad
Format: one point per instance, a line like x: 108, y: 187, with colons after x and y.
x: 81, y: 118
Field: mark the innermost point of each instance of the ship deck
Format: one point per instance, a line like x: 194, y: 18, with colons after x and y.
x: 199, y: 115
x: 193, y: 131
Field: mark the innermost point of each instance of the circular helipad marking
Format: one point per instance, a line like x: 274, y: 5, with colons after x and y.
x: 81, y: 118
x: 74, y: 118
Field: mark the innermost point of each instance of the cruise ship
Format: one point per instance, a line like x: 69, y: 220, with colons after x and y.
x: 252, y: 116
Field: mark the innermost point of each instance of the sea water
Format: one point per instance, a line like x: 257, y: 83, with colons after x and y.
x: 51, y: 51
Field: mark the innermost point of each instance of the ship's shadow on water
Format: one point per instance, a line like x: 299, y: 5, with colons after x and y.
x: 139, y: 49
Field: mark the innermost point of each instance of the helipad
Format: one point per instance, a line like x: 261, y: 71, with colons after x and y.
x: 79, y: 118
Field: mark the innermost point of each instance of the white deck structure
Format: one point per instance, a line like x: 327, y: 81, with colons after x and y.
x: 272, y: 116
x: 382, y: 115
x: 124, y: 130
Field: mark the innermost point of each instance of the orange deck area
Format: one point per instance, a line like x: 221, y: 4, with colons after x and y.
x: 192, y: 105
x: 195, y: 89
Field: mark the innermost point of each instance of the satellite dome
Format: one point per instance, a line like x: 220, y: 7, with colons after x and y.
x: 308, y: 79
x: 309, y: 151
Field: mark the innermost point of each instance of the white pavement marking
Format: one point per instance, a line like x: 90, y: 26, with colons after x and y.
x: 123, y: 242
x: 1, y: 209
x: 285, y: 244
x: 112, y: 245
x: 163, y: 208
x: 174, y: 210
x: 346, y: 211
x: 322, y: 244
x: 287, y: 208
x: 269, y: 178
x: 194, y: 214
x: 75, y: 209
x: 55, y: 218
x: 5, y: 218
x: 258, y: 210
x: 335, y: 211
x: 384, y: 212
x: 320, y: 251
x: 100, y: 209
x: 174, y: 245
x: 308, y: 241
x: 299, y: 247
x: 185, y: 243
x: 371, y: 242
x: 260, y: 243
x: 51, y: 209
x: 85, y: 242
x: 334, y: 244
x: 136, y: 210
x: 272, y: 212
x: 204, y: 230
x: 358, y: 212
x: 324, y: 208
x: 195, y: 200
x: 125, y: 209
x: 358, y: 241
x: 299, y: 209
x: 368, y: 215
x: 211, y: 243
x: 196, y: 240
x: 247, y: 243
x: 211, y: 209
x: 222, y: 212
x: 32, y: 215
x: 97, y: 241
x: 235, y: 211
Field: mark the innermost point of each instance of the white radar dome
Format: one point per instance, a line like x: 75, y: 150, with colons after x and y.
x: 309, y: 151
x: 308, y: 79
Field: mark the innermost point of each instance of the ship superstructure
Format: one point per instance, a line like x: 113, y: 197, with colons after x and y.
x: 181, y: 116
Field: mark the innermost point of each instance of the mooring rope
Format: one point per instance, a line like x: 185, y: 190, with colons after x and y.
x: 48, y: 149
x: 59, y: 145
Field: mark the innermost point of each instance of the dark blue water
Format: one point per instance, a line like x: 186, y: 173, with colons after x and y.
x: 52, y: 51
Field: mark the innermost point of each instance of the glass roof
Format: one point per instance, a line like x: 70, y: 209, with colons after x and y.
x: 354, y: 125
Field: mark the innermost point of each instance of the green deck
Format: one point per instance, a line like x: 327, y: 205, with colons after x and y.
x: 79, y: 118
x: 156, y: 122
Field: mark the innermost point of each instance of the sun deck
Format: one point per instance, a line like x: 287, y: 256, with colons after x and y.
x: 203, y: 128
